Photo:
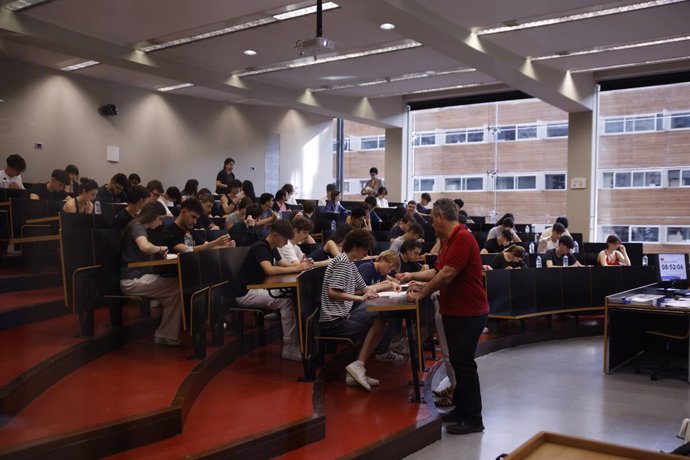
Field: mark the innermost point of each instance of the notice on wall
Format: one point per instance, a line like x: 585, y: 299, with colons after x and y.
x: 113, y: 153
x: 578, y: 183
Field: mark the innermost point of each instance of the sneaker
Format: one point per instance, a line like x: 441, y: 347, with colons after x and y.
x: 167, y: 342
x: 291, y: 352
x: 464, y: 428
x: 389, y: 356
x: 358, y: 373
x: 353, y: 383
x: 400, y: 347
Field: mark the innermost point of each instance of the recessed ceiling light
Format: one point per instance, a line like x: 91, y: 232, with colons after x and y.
x: 165, y: 89
x: 19, y: 5
x: 515, y: 25
x: 631, y: 64
x: 387, y: 26
x: 380, y: 81
x: 251, y: 24
x: 249, y: 53
x: 305, y: 62
x: 81, y: 65
x: 603, y: 49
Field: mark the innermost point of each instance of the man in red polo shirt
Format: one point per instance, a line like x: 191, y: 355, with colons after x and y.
x: 464, y: 307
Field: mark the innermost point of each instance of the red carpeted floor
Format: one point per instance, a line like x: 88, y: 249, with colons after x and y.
x: 26, y: 346
x: 12, y: 300
x: 257, y: 392
x: 136, y: 378
x: 356, y: 418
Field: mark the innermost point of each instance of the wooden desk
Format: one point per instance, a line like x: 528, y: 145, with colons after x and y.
x: 625, y: 326
x: 153, y: 263
x: 288, y: 281
x: 548, y: 446
x: 411, y: 311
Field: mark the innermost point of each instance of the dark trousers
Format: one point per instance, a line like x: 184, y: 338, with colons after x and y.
x: 462, y: 334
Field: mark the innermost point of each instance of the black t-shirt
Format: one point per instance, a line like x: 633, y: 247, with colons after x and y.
x: 122, y: 218
x: 422, y: 209
x: 225, y: 177
x: 369, y: 274
x: 42, y: 191
x: 409, y: 267
x: 174, y: 235
x: 395, y: 232
x: 203, y: 222
x: 492, y: 246
x: 558, y: 261
x: 243, y: 235
x: 500, y: 262
x: 251, y: 271
x: 105, y: 197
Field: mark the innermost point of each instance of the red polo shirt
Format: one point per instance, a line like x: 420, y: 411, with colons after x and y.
x: 465, y: 294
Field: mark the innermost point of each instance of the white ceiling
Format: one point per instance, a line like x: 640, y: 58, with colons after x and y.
x: 108, y: 31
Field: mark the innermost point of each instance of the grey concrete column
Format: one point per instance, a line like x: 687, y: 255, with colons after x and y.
x: 393, y: 162
x: 581, y: 204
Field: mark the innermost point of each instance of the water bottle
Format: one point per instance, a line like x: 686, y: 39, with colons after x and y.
x: 576, y: 247
x: 565, y: 261
x: 97, y: 207
x: 538, y: 261
x: 536, y: 238
x: 527, y: 229
x: 189, y: 242
x: 645, y: 261
x: 332, y: 225
x: 531, y: 248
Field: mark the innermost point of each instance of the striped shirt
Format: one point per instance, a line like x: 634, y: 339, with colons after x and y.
x: 341, y: 275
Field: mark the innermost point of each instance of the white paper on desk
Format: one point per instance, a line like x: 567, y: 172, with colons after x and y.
x: 404, y: 286
x: 171, y: 256
x: 392, y: 294
x: 678, y: 303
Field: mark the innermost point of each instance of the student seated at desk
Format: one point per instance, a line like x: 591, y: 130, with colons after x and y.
x: 259, y: 263
x: 114, y: 191
x: 551, y: 241
x: 291, y: 254
x: 554, y: 257
x: 183, y: 227
x: 410, y: 252
x: 280, y: 202
x: 401, y: 227
x: 340, y: 317
x: 333, y: 247
x: 137, y: 197
x: 358, y: 218
x: 560, y: 220
x: 136, y: 247
x: 414, y: 232
x: 205, y: 220
x: 512, y: 257
x: 614, y: 254
x: 267, y: 216
x: 11, y: 176
x: 495, y: 245
x: 246, y: 232
x: 505, y: 222
x: 423, y: 205
x: 83, y: 202
x: 53, y: 189
x: 334, y: 205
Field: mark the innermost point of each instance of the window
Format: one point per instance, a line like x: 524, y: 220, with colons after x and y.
x: 679, y: 178
x: 373, y: 143
x: 627, y: 179
x: 527, y: 132
x: 464, y: 183
x: 505, y: 182
x: 634, y: 124
x: 680, y: 120
x: 456, y: 137
x: 644, y: 234
x: 607, y: 180
x: 557, y: 130
x: 614, y: 125
x: 505, y: 133
x: 424, y: 185
x: 527, y: 182
x: 621, y: 231
x: 346, y: 187
x: 425, y: 139
x: 475, y: 135
x: 554, y: 181
x: 678, y: 235
x: 622, y: 179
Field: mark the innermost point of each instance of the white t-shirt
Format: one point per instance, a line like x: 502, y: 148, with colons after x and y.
x: 6, y: 180
x: 381, y: 202
x: 291, y: 253
x: 166, y: 203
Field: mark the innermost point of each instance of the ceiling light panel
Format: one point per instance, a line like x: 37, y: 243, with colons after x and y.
x: 19, y: 5
x: 165, y: 89
x: 267, y: 18
x: 411, y: 76
x: 310, y: 61
x: 604, y: 49
x: 632, y: 64
x: 517, y: 25
x: 81, y: 65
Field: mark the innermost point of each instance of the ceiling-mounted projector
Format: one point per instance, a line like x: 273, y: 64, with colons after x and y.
x: 314, y: 46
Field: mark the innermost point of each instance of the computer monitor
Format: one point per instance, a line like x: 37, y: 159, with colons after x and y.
x: 672, y: 269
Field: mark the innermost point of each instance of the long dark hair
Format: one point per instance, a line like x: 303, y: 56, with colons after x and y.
x: 248, y: 189
x: 86, y: 185
x: 191, y: 187
x: 148, y: 213
x: 340, y: 233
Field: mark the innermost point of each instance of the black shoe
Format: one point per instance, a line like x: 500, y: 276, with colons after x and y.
x: 451, y: 417
x: 464, y: 428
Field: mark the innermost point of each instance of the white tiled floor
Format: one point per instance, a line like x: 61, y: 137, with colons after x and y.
x: 560, y: 387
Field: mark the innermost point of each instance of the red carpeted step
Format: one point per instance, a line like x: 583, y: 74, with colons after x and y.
x: 257, y: 392
x: 131, y: 380
x: 21, y: 279
x: 18, y: 299
x: 24, y: 347
x: 356, y: 419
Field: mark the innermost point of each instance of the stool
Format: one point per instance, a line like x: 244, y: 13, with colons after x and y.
x: 666, y: 369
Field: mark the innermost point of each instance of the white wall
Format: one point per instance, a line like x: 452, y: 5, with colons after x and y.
x: 161, y: 136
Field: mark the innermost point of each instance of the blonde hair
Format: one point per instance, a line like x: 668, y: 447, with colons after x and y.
x: 391, y: 257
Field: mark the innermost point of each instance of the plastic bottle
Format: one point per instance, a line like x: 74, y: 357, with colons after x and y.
x: 189, y: 242
x: 531, y: 248
x: 333, y: 225
x: 97, y: 207
x: 538, y: 262
x: 645, y: 260
x: 536, y: 237
x: 565, y: 261
x: 528, y: 229
x: 576, y: 247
